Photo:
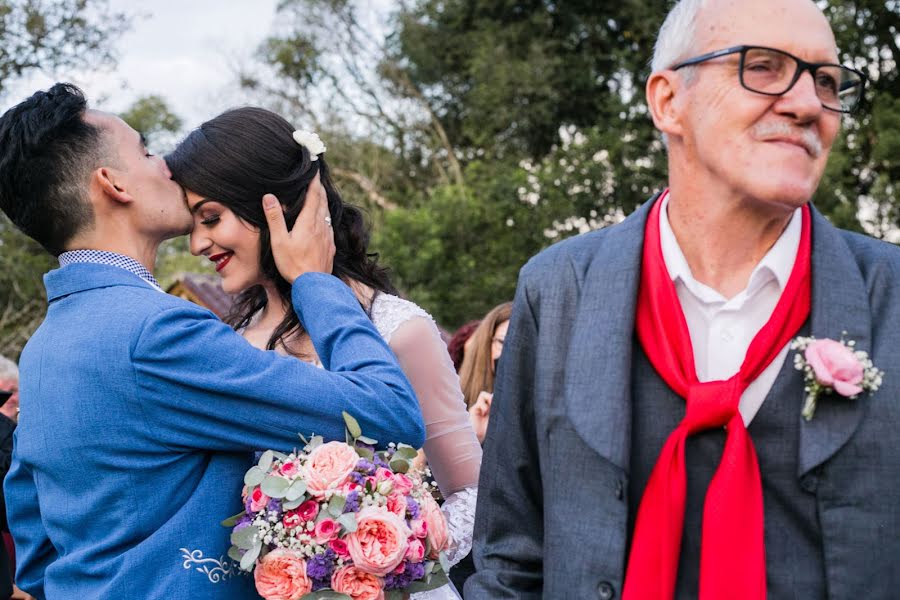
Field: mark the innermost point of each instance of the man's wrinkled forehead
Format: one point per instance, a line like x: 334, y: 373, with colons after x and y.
x: 797, y: 26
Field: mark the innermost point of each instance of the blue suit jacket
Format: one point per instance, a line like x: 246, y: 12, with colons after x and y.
x: 139, y: 415
x: 552, y: 517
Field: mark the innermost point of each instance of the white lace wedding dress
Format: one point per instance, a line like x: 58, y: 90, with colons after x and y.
x: 452, y: 450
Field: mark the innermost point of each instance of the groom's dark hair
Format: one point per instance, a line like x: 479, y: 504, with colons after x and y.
x: 47, y: 152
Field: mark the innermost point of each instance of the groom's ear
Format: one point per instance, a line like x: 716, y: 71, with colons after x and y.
x: 111, y: 184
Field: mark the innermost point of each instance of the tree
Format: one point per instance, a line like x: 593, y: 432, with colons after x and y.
x: 152, y: 117
x: 55, y: 34
x: 533, y: 111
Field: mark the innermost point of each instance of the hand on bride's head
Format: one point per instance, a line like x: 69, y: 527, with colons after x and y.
x: 309, y: 246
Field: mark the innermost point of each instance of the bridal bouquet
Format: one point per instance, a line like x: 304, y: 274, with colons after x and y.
x: 339, y: 520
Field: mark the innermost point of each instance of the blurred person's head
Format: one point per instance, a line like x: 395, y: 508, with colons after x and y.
x: 480, y: 361
x: 226, y: 166
x: 744, y: 120
x: 461, y: 342
x: 72, y: 177
x: 9, y: 379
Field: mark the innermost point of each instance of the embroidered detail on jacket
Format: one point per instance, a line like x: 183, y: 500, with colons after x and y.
x: 222, y: 569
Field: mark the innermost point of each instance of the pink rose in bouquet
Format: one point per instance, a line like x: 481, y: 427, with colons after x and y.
x: 835, y: 365
x: 396, y: 503
x: 402, y: 483
x: 416, y: 551
x: 340, y: 517
x: 258, y: 500
x: 325, y: 531
x: 328, y: 467
x: 357, y: 584
x: 339, y: 547
x: 380, y: 540
x: 281, y: 575
x: 438, y: 536
x: 309, y: 510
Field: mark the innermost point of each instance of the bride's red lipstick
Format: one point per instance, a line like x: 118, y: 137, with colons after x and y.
x: 221, y: 259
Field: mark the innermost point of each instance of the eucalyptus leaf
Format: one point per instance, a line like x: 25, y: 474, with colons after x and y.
x: 352, y: 425
x: 244, y: 538
x: 265, y: 461
x: 234, y: 553
x: 232, y: 521
x: 315, y: 442
x: 325, y: 595
x: 365, y: 453
x: 429, y: 567
x: 431, y: 583
x: 336, y: 505
x: 292, y: 504
x: 445, y: 564
x: 393, y: 595
x: 296, y: 491
x: 250, y: 557
x: 404, y: 451
x: 348, y: 522
x: 367, y: 440
x: 274, y: 486
x: 254, y: 477
x: 400, y: 465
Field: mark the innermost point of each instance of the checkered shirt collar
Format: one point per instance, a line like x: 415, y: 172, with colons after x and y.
x: 101, y: 257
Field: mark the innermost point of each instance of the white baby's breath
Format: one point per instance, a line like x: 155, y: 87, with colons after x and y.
x: 871, y: 381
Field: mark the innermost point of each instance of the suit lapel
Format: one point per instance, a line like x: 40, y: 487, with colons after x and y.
x: 598, y: 376
x: 839, y: 304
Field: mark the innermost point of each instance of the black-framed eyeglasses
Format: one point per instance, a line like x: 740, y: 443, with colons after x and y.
x: 774, y: 72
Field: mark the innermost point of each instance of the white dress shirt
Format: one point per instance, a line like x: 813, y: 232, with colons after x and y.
x: 721, y: 329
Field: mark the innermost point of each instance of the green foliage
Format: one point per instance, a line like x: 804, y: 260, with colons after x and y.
x: 56, y: 34
x: 503, y: 126
x: 152, y: 117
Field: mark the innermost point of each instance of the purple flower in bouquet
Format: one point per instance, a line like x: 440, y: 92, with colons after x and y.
x: 366, y: 467
x: 353, y: 501
x: 243, y: 522
x: 379, y: 462
x: 274, y: 504
x: 320, y: 567
x: 412, y: 507
x: 411, y: 572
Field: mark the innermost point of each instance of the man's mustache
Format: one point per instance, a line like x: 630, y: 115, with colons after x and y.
x: 777, y: 129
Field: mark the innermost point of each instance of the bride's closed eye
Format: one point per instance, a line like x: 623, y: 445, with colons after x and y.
x: 210, y: 220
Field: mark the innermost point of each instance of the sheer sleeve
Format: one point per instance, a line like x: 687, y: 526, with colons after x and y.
x: 452, y: 450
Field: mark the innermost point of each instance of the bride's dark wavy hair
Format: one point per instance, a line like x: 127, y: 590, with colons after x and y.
x: 247, y: 152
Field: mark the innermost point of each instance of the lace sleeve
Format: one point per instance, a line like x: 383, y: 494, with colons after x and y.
x: 452, y: 450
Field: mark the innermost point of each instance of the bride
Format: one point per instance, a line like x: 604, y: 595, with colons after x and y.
x: 225, y: 166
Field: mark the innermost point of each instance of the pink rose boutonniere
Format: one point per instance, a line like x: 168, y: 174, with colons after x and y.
x: 830, y: 366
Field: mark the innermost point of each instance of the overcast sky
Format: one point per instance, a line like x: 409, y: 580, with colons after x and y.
x: 182, y: 50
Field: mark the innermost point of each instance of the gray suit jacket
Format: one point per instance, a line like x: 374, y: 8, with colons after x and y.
x: 553, y: 506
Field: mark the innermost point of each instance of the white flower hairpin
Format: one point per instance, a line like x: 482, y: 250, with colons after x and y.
x: 311, y: 141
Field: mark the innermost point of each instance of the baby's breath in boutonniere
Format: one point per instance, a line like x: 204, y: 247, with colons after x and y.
x: 829, y: 366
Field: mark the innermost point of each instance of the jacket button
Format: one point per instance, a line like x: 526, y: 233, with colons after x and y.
x: 605, y: 591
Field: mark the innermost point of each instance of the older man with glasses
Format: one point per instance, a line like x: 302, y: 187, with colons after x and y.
x: 662, y: 425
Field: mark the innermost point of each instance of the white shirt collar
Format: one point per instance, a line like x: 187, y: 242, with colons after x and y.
x: 777, y: 264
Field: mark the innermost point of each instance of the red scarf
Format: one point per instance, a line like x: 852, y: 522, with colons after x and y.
x: 732, y: 555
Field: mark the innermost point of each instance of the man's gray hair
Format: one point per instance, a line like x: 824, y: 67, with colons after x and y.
x: 677, y: 35
x: 8, y: 369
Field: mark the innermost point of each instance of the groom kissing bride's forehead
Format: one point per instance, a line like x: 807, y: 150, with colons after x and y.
x: 140, y: 411
x: 647, y: 388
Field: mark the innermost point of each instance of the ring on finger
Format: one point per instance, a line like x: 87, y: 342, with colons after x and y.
x: 328, y: 221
